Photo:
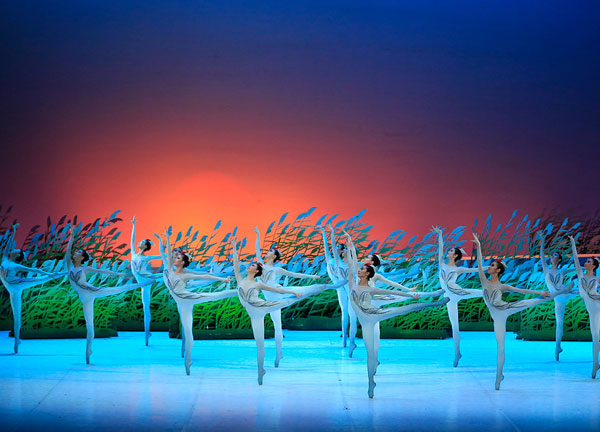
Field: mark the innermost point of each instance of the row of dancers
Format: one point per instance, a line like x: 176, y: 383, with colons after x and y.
x: 356, y: 285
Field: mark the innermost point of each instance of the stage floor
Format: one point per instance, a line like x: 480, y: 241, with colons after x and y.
x: 129, y: 386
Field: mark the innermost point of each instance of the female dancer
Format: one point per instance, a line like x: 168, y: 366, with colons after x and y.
x: 361, y: 296
x: 141, y: 272
x: 337, y: 270
x: 10, y: 268
x: 374, y: 261
x: 448, y: 274
x: 271, y: 276
x: 588, y: 290
x: 177, y: 279
x: 257, y: 308
x: 499, y: 309
x: 89, y: 293
x: 554, y: 282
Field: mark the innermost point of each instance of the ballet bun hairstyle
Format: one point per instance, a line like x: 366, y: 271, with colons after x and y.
x: 342, y: 250
x: 559, y: 256
x: 85, y: 255
x: 596, y: 262
x: 259, y: 270
x: 376, y: 260
x: 370, y: 271
x: 277, y: 254
x: 147, y: 245
x: 186, y: 259
x: 501, y: 266
x: 458, y: 254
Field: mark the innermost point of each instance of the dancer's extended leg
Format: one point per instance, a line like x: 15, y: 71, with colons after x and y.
x: 352, y: 331
x: 146, y: 298
x: 342, y: 294
x: 368, y: 331
x: 186, y: 311
x: 258, y: 329
x: 104, y: 292
x: 88, y: 314
x: 559, y: 312
x: 401, y: 310
x: 500, y: 333
x: 453, y: 315
x: 276, y: 317
x: 377, y: 339
x: 15, y: 304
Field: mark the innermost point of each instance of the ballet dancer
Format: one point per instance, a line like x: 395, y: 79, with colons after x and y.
x: 374, y: 261
x: 271, y: 275
x: 499, y: 309
x: 87, y: 292
x: 177, y: 280
x: 448, y: 275
x: 140, y: 269
x: 257, y: 308
x: 554, y: 281
x: 15, y: 284
x: 362, y: 296
x: 337, y: 269
x: 588, y: 290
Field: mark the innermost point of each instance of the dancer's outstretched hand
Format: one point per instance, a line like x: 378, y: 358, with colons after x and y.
x: 255, y: 229
x: 416, y: 296
x: 545, y: 293
x: 298, y: 295
x: 476, y: 239
x: 414, y: 288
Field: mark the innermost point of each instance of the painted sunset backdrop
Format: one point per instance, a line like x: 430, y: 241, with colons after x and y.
x: 186, y: 113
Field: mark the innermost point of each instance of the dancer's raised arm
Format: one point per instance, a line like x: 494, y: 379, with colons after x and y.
x: 236, y: 262
x: 9, y: 240
x: 576, y: 257
x: 133, y: 236
x: 163, y: 253
x: 543, y: 252
x: 258, y: 250
x: 334, y: 253
x: 482, y: 277
x: 68, y: 258
x: 328, y: 257
x: 438, y: 231
x: 350, y: 245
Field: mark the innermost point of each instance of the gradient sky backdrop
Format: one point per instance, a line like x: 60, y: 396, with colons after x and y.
x: 424, y: 112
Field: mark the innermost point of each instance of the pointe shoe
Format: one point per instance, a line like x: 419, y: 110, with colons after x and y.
x: 457, y: 359
x: 557, y: 353
x: 594, y: 370
x: 277, y: 360
x: 498, y: 381
x: 17, y: 343
x: 352, y: 348
x: 371, y: 389
x: 188, y: 367
x: 148, y: 337
x: 261, y: 374
x: 88, y: 354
